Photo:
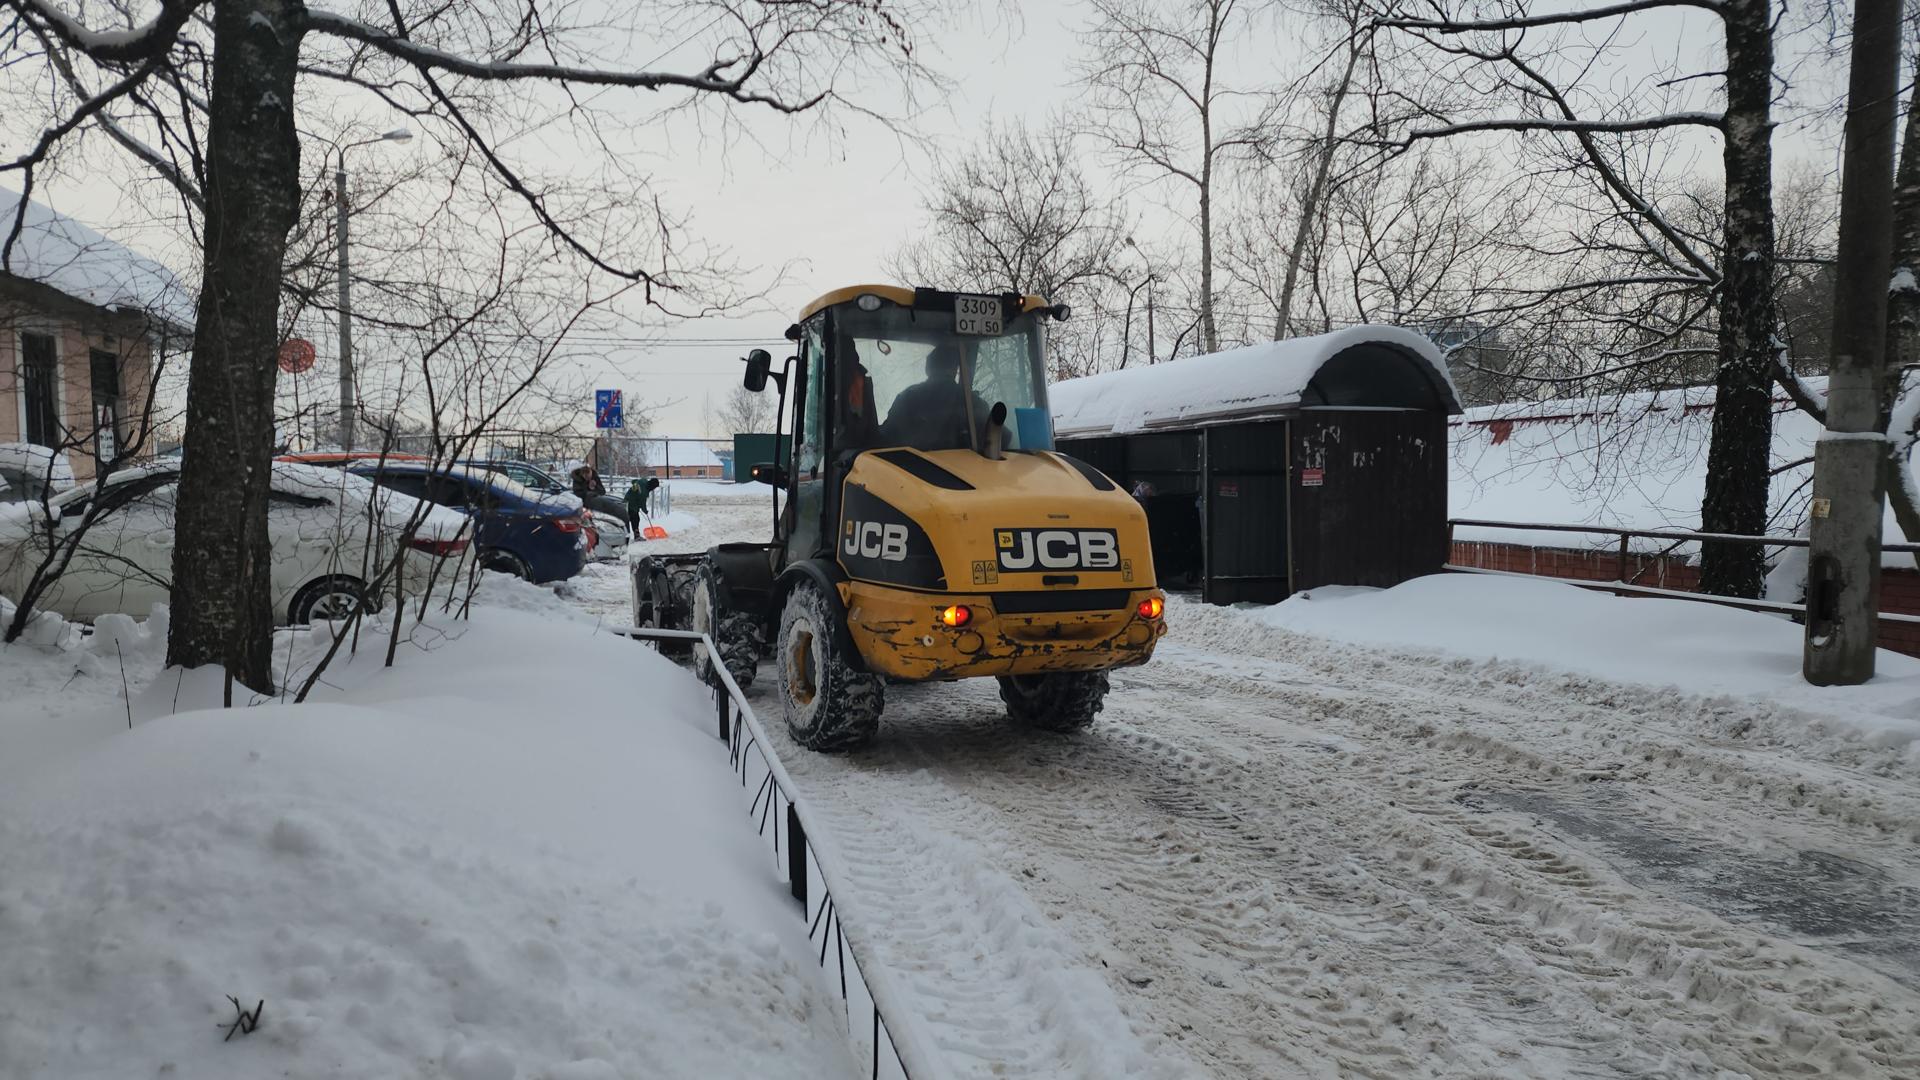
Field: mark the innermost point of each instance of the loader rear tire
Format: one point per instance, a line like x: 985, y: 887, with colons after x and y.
x: 831, y: 704
x: 1055, y: 701
x: 733, y: 633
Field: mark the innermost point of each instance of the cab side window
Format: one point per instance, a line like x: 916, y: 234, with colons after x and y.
x: 809, y: 439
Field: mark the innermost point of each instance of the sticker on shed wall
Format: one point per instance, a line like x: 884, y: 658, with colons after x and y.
x: 1313, y: 477
x: 1228, y: 489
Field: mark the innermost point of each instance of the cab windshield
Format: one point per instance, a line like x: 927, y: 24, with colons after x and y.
x: 908, y: 379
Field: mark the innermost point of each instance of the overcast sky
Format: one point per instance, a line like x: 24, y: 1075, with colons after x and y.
x: 822, y: 205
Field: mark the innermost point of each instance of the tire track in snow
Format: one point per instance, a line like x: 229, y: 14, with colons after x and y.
x: 1288, y: 918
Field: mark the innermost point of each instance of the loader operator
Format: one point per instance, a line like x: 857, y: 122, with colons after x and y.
x: 932, y: 414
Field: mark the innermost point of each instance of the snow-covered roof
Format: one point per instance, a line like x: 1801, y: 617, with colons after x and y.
x: 686, y: 454
x: 59, y: 252
x: 1357, y: 366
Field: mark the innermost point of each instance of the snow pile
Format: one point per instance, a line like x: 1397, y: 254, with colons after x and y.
x: 1635, y: 462
x: 1254, y: 380
x: 58, y: 251
x: 1698, y: 649
x: 513, y: 855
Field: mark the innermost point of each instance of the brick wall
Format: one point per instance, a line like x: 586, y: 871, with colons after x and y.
x: 1899, y: 587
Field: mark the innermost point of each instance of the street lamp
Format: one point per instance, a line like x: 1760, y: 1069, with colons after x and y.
x: 346, y: 294
x: 1143, y: 258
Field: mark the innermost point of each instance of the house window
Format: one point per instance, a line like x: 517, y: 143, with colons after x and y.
x: 39, y: 390
x: 104, y: 368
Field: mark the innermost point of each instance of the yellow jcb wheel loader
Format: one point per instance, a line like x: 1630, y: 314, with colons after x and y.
x: 923, y: 525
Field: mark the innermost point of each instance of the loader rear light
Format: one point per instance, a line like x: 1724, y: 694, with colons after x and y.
x: 1151, y: 607
x: 567, y: 524
x: 442, y: 548
x: 957, y: 615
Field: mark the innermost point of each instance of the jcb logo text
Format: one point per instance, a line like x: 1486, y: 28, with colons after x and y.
x: 873, y: 540
x: 1056, y: 549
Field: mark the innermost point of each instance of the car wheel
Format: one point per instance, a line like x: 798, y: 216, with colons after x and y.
x: 330, y: 599
x: 506, y: 562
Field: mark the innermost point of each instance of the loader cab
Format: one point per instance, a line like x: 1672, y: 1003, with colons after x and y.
x: 879, y: 368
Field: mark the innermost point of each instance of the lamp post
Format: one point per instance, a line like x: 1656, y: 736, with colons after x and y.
x: 346, y: 290
x: 1151, y: 357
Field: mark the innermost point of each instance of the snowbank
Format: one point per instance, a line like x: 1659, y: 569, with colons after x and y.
x: 1698, y: 649
x: 58, y: 251
x: 513, y: 855
x: 1257, y: 379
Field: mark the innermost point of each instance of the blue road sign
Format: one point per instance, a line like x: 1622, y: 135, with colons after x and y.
x: 607, y: 410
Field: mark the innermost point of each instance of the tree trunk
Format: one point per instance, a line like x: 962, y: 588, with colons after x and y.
x: 1207, y: 330
x: 1903, y: 304
x: 1903, y: 320
x: 1310, y: 207
x: 222, y: 599
x: 1738, y: 457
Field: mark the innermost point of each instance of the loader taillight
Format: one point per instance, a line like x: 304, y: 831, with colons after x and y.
x: 957, y: 615
x: 1151, y: 607
x: 569, y: 524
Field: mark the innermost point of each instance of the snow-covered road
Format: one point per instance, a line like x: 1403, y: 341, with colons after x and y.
x: 1276, y: 855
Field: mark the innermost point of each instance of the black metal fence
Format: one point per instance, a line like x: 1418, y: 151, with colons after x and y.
x: 880, y: 1020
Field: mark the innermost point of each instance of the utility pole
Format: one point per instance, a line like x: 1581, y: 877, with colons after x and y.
x: 346, y: 306
x: 346, y: 288
x: 1843, y: 567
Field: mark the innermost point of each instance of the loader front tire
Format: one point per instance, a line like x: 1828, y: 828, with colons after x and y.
x: 733, y: 633
x: 1056, y: 700
x: 654, y: 605
x: 831, y: 704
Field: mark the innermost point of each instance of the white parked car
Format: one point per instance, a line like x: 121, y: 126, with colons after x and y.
x: 327, y: 543
x: 28, y: 472
x: 610, y: 536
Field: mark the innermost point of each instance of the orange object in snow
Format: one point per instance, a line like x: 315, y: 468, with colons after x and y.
x: 653, y: 532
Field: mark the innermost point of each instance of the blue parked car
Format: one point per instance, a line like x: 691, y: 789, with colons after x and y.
x: 537, y: 536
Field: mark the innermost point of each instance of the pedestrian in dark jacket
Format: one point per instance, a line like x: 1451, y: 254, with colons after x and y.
x: 636, y: 505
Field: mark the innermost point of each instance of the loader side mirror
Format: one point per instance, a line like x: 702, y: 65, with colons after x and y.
x: 759, y: 363
x: 764, y: 473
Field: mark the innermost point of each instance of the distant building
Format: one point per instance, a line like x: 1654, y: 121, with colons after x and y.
x: 81, y: 319
x: 665, y: 456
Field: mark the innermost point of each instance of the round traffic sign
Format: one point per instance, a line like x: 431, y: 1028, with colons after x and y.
x: 296, y: 355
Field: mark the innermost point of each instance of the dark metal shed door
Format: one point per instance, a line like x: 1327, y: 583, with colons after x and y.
x: 1246, y: 512
x: 1369, y: 496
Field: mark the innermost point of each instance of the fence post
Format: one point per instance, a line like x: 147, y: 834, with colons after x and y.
x: 720, y: 703
x: 797, y: 856
x: 1622, y: 579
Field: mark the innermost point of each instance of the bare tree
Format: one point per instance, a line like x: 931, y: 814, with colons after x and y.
x: 743, y: 412
x: 1016, y: 212
x: 213, y: 85
x: 1523, y: 64
x: 1161, y: 102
